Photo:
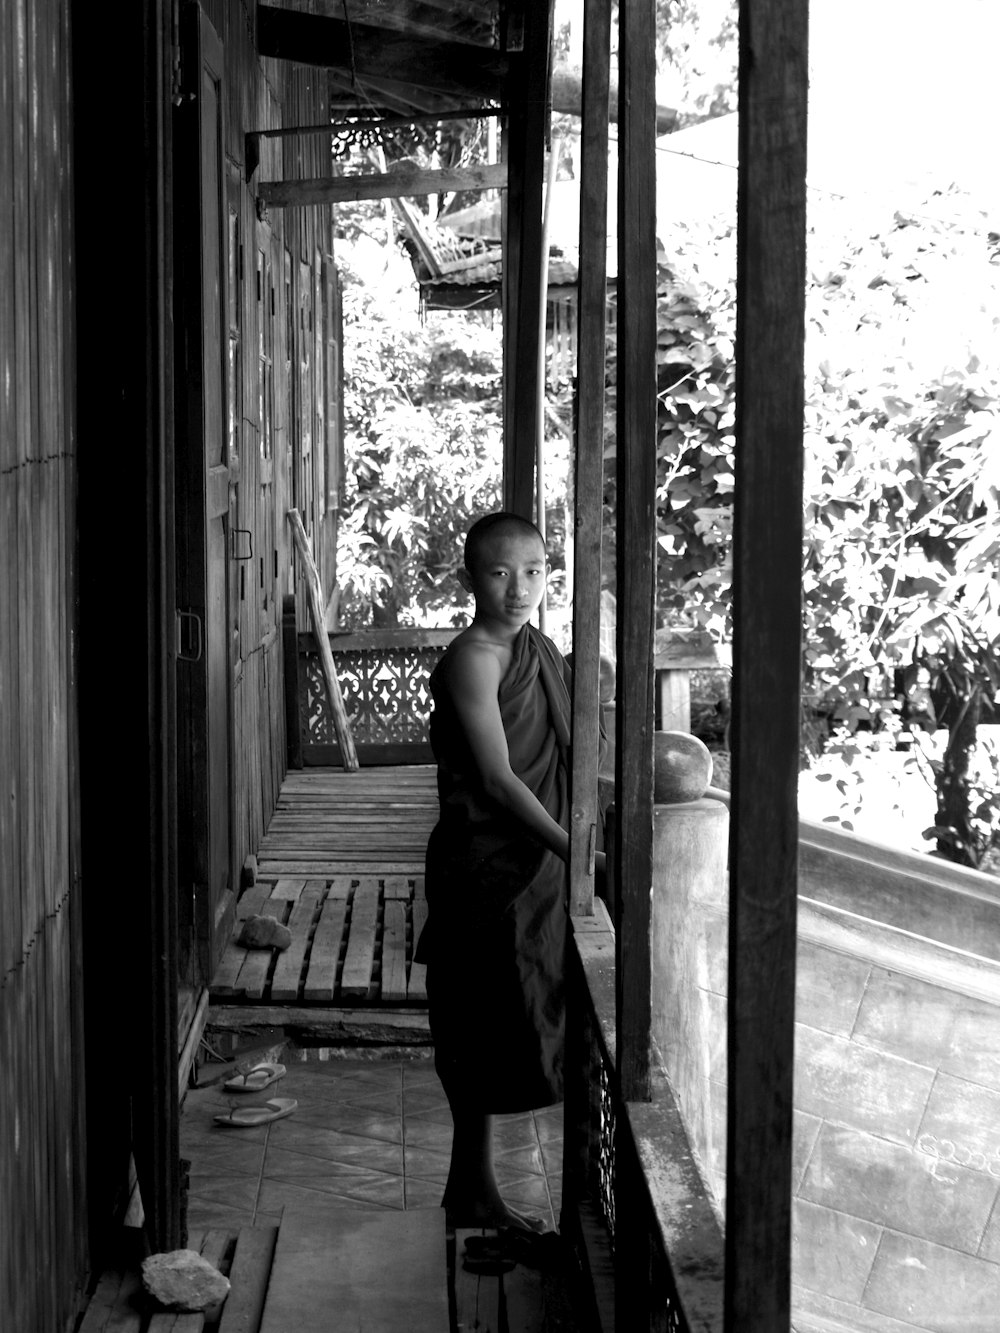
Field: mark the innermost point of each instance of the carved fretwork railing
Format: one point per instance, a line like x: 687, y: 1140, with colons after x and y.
x: 634, y: 1203
x: 384, y: 679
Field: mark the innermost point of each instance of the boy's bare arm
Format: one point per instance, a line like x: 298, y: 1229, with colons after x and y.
x: 473, y: 681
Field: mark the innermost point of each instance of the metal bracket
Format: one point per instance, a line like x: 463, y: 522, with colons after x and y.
x: 192, y: 650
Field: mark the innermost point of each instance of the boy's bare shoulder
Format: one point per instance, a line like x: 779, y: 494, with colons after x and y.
x: 473, y: 658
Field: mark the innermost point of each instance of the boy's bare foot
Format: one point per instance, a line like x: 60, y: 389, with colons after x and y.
x: 490, y: 1214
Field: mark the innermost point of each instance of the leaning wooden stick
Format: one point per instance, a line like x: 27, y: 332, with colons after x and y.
x: 340, y: 723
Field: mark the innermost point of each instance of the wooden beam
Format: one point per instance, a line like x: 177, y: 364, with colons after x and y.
x: 524, y: 143
x: 403, y: 183
x: 636, y: 540
x: 589, y: 460
x: 457, y: 68
x: 567, y: 97
x: 766, y: 660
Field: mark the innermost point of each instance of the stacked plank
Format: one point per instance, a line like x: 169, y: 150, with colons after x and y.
x: 352, y: 943
x: 372, y: 822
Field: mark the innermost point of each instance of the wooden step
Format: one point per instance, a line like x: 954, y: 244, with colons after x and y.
x: 354, y: 1269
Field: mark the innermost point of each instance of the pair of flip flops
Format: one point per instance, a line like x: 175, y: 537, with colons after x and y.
x: 258, y: 1078
x: 509, y: 1246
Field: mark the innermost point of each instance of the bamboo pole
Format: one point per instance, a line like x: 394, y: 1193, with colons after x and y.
x: 315, y: 592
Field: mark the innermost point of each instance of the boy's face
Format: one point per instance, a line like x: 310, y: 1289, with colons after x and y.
x: 507, y: 578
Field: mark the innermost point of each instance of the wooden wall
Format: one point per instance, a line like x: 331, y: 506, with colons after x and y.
x: 42, y: 1229
x: 284, y: 385
x: 89, y: 887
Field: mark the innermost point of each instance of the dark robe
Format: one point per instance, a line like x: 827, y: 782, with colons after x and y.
x: 495, y: 939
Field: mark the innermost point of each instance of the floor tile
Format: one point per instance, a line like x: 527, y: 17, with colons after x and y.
x: 423, y: 1164
x: 428, y: 1134
x: 204, y: 1213
x: 422, y: 1193
x: 324, y: 1145
x: 433, y: 1115
x: 238, y: 1158
x: 352, y: 1120
x: 425, y: 1098
x: 420, y: 1074
x: 236, y: 1192
x: 366, y: 1187
x: 317, y: 1173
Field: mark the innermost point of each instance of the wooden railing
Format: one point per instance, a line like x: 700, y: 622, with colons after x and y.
x: 384, y: 679
x: 634, y: 1205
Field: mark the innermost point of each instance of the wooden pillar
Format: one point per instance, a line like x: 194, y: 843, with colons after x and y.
x: 636, y: 537
x: 528, y: 28
x: 766, y: 661
x: 589, y: 461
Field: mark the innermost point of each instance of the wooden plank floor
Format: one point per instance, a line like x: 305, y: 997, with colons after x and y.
x: 393, y: 1270
x: 119, y: 1303
x: 341, y: 865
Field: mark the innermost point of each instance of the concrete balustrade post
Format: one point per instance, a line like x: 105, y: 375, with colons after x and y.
x: 689, y: 978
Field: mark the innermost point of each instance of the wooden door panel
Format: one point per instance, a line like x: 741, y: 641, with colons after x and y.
x: 203, y: 510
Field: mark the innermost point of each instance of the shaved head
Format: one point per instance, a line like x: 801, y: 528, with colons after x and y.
x: 500, y: 524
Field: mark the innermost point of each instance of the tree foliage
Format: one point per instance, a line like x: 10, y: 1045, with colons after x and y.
x: 902, y: 463
x: 423, y: 442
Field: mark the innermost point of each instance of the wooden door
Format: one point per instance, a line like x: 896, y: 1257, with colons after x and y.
x: 203, y: 503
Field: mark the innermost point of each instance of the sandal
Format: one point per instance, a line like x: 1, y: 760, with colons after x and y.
x: 248, y: 1117
x: 256, y: 1079
x: 531, y: 1249
x: 487, y: 1255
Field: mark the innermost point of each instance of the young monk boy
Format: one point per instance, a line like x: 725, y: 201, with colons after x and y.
x: 495, y: 939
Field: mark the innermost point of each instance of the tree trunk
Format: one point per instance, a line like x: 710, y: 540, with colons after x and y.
x: 958, y: 843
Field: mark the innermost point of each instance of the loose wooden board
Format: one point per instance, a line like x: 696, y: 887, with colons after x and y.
x: 357, y: 1269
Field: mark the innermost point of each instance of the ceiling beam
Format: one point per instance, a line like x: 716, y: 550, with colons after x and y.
x: 456, y: 68
x: 398, y: 184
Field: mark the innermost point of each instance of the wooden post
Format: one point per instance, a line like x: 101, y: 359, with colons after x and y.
x: 583, y: 1081
x: 523, y: 258
x: 678, y: 653
x: 589, y: 460
x: 315, y: 594
x: 766, y: 661
x: 636, y: 540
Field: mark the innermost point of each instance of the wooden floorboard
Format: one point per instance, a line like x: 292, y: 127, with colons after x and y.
x: 341, y: 865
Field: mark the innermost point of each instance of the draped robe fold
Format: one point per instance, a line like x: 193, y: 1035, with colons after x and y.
x: 495, y: 939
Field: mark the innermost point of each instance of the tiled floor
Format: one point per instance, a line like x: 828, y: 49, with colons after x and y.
x: 365, y: 1132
